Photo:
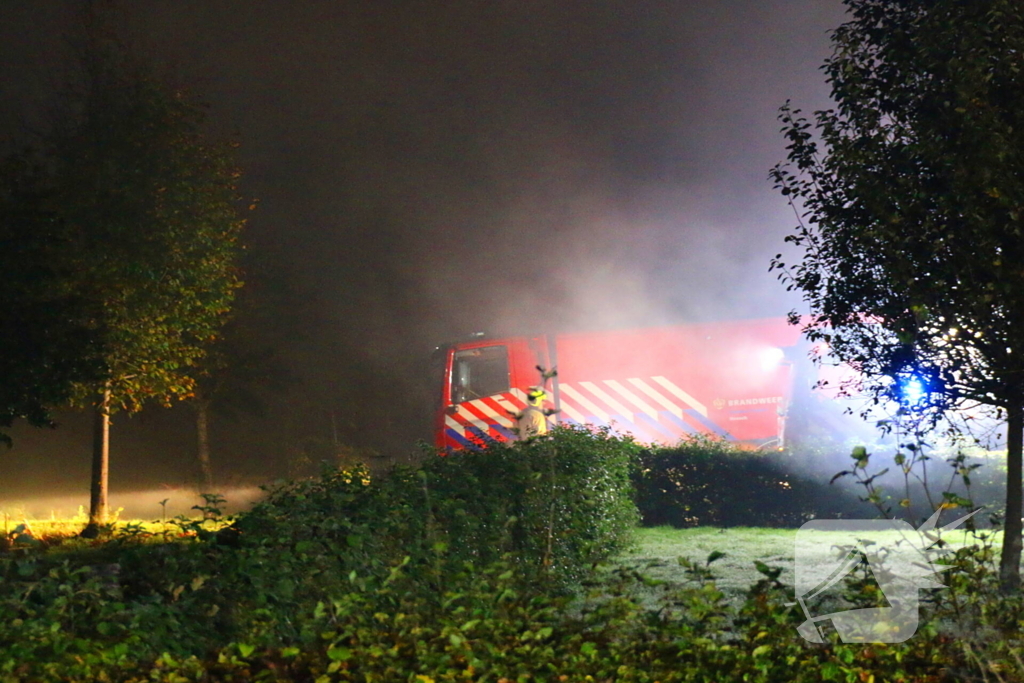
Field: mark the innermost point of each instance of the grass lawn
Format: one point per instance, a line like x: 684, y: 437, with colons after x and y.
x: 659, y: 549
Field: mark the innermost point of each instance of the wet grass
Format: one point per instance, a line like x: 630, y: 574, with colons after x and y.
x: 659, y: 549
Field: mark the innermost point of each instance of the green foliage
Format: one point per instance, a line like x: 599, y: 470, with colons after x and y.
x: 556, y: 505
x: 340, y: 541
x: 119, y: 242
x: 910, y: 198
x: 706, y: 481
x: 428, y: 575
x: 902, y: 489
x: 154, y: 615
x: 153, y: 208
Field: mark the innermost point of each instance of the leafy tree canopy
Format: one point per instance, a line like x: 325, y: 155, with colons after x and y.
x: 153, y: 210
x: 912, y: 197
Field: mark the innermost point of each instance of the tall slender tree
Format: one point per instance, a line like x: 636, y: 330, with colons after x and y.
x: 153, y: 211
x: 911, y: 198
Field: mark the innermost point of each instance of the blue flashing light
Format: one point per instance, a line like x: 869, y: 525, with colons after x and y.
x: 912, y: 391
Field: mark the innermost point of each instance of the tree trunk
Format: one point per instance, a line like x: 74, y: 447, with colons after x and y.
x: 203, y: 443
x: 100, y: 462
x: 1009, y: 561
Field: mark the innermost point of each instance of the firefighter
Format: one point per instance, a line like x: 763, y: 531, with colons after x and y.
x: 532, y: 421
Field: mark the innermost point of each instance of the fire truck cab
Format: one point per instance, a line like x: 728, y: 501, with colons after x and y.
x: 731, y: 379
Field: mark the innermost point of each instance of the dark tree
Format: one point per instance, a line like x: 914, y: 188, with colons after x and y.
x: 48, y: 342
x: 911, y: 198
x: 152, y: 208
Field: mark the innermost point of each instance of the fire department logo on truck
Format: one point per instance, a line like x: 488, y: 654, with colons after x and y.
x: 763, y: 401
x: 721, y: 403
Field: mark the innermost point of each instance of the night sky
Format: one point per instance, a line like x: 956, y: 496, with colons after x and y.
x: 429, y: 169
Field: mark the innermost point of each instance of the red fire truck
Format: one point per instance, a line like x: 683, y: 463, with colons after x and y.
x: 731, y: 379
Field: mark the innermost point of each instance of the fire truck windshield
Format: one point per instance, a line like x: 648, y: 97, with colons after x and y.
x: 479, y: 372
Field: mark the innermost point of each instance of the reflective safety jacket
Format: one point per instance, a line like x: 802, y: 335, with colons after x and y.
x: 532, y: 422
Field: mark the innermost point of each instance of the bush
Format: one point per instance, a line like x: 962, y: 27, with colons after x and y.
x: 706, y: 481
x: 68, y: 623
x: 555, y: 505
x: 483, y: 627
x: 278, y: 576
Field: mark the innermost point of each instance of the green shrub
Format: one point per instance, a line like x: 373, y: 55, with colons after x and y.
x: 556, y: 505
x: 706, y: 481
x: 551, y: 507
x: 452, y: 572
x: 482, y: 626
x: 485, y: 623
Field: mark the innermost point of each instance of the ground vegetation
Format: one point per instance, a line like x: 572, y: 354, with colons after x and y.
x: 515, y: 563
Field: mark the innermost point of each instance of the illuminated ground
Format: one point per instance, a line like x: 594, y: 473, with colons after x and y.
x: 124, y: 505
